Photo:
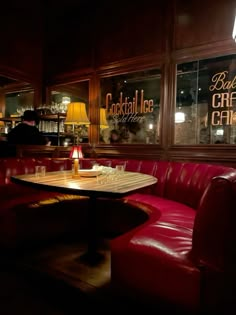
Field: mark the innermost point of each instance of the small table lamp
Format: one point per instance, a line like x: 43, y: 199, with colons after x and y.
x: 76, y: 154
x: 76, y: 115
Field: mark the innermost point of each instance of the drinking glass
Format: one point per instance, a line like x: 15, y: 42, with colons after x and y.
x: 40, y: 170
x: 120, y: 169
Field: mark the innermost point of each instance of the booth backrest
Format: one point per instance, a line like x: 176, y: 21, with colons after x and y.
x: 17, y: 166
x: 214, y: 236
x: 178, y: 181
x: 185, y: 182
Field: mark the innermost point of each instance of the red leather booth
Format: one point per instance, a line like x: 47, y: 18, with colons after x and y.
x: 182, y: 251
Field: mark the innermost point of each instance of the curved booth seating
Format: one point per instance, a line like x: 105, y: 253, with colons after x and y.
x: 185, y: 253
x: 180, y: 250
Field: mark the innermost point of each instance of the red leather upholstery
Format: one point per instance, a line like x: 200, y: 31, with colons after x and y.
x: 180, y: 255
x: 217, y: 212
x: 184, y: 253
x: 155, y: 263
x: 29, y: 215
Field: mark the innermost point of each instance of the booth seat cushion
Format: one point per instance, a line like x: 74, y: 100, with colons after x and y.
x: 154, y: 262
x: 167, y: 211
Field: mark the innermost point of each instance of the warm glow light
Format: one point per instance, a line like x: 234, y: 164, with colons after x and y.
x: 1, y: 122
x: 220, y: 132
x: 76, y: 114
x: 76, y: 167
x: 234, y: 30
x: 179, y: 117
x: 73, y: 185
x: 103, y: 119
x: 65, y: 100
x: 76, y: 154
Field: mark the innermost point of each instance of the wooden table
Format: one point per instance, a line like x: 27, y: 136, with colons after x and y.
x: 63, y: 182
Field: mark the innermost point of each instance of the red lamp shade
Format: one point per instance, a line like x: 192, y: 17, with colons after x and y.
x: 76, y: 152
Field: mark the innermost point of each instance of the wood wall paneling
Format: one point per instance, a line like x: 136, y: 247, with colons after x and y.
x: 79, y: 39
x: 198, y: 23
x: 128, y: 30
x: 21, y: 38
x: 69, y: 37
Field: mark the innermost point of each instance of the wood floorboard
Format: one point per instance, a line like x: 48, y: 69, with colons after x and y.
x: 62, y: 261
x: 53, y: 281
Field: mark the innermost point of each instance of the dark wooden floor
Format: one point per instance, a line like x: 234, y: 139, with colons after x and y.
x: 53, y: 281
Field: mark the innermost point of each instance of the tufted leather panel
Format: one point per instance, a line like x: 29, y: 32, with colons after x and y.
x: 214, y: 236
x: 185, y: 182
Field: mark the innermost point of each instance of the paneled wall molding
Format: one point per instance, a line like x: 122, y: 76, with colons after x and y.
x: 18, y: 86
x: 202, y: 154
x: 168, y: 88
x: 71, y: 76
x: 16, y: 74
x: 129, y: 151
x: 123, y: 66
x: 204, y: 51
x: 220, y: 154
x: 131, y: 64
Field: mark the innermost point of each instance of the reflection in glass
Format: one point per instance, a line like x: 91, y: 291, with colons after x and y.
x: 103, y: 119
x: 18, y: 102
x: 76, y: 116
x: 63, y: 95
x: 132, y: 104
x: 206, y: 94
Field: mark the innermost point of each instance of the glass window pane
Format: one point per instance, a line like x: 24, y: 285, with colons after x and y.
x: 130, y: 106
x: 206, y: 101
x: 18, y: 102
x: 61, y: 96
